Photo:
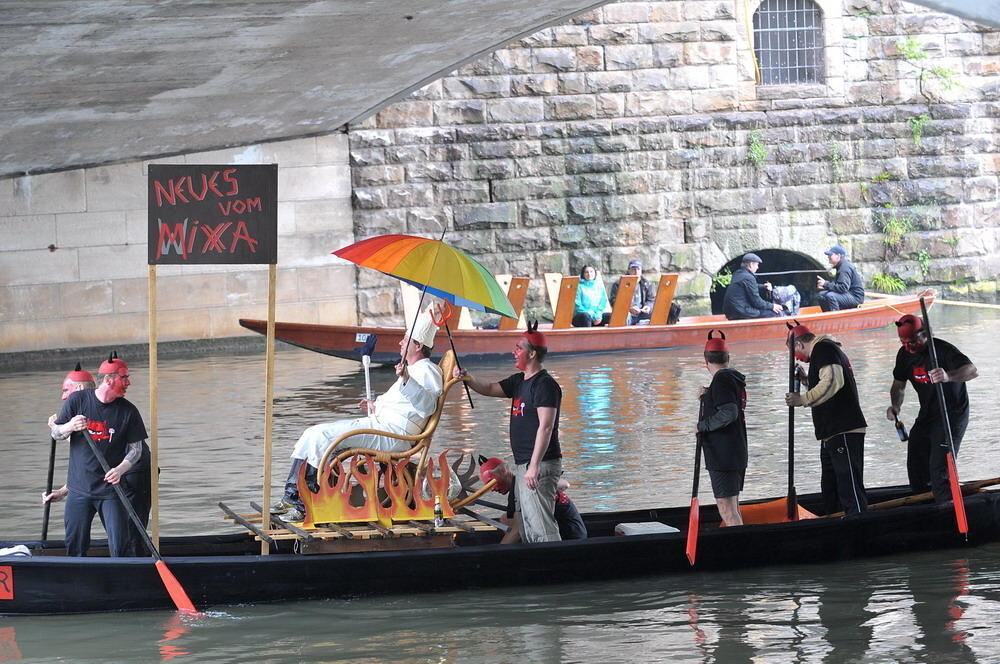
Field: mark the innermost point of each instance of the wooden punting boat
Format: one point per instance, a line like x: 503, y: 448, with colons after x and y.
x: 227, y: 569
x: 344, y: 340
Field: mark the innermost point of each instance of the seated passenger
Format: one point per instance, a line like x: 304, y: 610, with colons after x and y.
x: 846, y: 291
x: 590, y: 307
x: 404, y: 409
x: 642, y: 299
x: 743, y: 296
x: 570, y: 522
x: 789, y: 299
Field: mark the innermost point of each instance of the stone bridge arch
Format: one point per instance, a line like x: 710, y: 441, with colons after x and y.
x: 792, y: 267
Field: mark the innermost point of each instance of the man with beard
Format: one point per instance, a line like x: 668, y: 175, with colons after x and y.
x: 534, y: 433
x: 117, y: 429
x: 928, y: 443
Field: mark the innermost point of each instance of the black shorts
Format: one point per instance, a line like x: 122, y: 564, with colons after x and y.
x: 726, y: 483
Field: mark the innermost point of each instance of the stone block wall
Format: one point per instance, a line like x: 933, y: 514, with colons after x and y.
x: 73, y: 256
x: 638, y: 129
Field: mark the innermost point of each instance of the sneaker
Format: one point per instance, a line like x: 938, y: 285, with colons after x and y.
x: 282, y: 506
x: 294, y: 515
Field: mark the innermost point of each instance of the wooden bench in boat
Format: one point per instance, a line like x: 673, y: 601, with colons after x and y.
x: 562, y: 298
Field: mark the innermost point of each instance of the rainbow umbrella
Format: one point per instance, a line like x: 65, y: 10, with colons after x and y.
x: 434, y: 266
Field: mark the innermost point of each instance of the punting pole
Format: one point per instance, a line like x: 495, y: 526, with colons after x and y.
x: 793, y: 509
x: 272, y: 279
x: 48, y: 488
x: 154, y: 447
x: 170, y: 582
x: 956, y: 490
x: 694, y: 514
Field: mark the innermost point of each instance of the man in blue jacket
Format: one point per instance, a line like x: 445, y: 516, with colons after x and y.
x: 743, y: 298
x: 846, y: 291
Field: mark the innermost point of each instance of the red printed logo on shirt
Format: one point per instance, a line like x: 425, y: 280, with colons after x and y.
x: 517, y: 408
x: 920, y: 375
x: 98, y: 431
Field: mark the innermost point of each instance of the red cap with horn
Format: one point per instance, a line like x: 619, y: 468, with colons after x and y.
x: 798, y: 330
x: 908, y: 325
x: 487, y: 472
x: 717, y: 343
x: 112, y: 365
x: 78, y: 375
x: 534, y: 337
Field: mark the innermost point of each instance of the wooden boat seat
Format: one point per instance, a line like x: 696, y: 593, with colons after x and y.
x: 623, y: 300
x: 664, y: 298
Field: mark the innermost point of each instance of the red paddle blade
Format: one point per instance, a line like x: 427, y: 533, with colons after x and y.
x: 174, y: 588
x: 692, y: 541
x: 956, y: 495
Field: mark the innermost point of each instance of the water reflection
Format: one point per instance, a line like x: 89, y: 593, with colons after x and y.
x: 627, y: 431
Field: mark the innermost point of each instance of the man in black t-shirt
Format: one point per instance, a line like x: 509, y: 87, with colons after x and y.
x: 723, y: 429
x: 928, y: 444
x: 534, y: 433
x: 837, y: 419
x: 117, y: 428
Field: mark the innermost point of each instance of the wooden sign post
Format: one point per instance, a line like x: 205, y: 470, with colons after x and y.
x: 211, y: 215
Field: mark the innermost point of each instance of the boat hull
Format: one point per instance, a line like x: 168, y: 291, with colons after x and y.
x: 344, y: 340
x: 232, y: 573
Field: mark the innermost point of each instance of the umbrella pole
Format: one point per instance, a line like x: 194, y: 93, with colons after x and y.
x: 458, y: 364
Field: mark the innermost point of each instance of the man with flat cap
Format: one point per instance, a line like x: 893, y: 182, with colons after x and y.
x: 846, y: 290
x: 642, y: 298
x: 743, y: 296
x: 928, y: 444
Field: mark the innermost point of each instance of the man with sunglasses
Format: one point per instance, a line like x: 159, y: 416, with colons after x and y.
x: 928, y: 443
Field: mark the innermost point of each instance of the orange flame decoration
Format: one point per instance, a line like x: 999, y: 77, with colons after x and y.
x: 333, y: 502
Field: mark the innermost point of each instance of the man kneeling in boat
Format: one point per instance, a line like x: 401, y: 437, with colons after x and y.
x: 403, y: 409
x: 837, y: 419
x: 571, y: 525
x: 723, y: 428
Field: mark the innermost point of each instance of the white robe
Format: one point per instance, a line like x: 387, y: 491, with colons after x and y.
x: 403, y: 409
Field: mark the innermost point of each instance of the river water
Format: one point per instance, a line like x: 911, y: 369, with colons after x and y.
x: 627, y: 425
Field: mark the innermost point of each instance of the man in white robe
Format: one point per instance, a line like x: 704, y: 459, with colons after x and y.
x: 403, y: 409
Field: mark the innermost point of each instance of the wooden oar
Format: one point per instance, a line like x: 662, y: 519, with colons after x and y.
x: 48, y: 489
x: 793, y: 508
x: 694, y: 516
x: 968, y: 489
x: 170, y: 582
x: 956, y: 491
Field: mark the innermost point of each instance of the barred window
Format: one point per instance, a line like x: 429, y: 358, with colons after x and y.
x: 788, y: 42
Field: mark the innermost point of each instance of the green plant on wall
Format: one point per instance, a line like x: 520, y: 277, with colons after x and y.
x: 913, y: 52
x: 952, y: 241
x: 887, y: 283
x: 917, y: 125
x: 923, y: 258
x: 836, y: 159
x: 757, y: 151
x: 721, y: 280
x: 894, y: 226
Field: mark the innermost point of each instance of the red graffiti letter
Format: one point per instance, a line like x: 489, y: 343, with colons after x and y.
x: 243, y: 233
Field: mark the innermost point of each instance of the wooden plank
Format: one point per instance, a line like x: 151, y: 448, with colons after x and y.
x: 458, y: 524
x: 272, y: 286
x: 517, y: 293
x: 382, y: 530
x: 623, y: 300
x: 275, y: 519
x: 246, y: 524
x: 664, y: 297
x: 425, y: 527
x: 566, y: 303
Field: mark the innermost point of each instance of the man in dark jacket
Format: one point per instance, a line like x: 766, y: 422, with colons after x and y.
x: 837, y: 419
x: 846, y: 291
x: 743, y: 296
x: 723, y: 430
x: 928, y: 442
x: 642, y: 299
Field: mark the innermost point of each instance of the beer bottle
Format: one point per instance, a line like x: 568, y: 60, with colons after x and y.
x: 438, y: 512
x: 901, y: 431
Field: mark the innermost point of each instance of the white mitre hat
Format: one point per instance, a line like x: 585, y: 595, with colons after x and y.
x: 424, y: 329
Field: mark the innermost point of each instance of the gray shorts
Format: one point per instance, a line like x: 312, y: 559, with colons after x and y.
x: 726, y: 483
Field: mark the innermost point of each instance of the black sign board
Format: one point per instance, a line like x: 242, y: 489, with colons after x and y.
x: 213, y: 214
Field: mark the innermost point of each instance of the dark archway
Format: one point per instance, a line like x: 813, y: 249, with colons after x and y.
x: 793, y: 268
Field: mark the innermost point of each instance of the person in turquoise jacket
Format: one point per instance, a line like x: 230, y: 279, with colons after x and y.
x: 591, y: 300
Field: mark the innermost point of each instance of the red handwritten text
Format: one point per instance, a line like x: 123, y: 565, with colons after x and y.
x: 184, y: 189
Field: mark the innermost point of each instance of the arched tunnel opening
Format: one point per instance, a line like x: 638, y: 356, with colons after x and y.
x: 781, y: 267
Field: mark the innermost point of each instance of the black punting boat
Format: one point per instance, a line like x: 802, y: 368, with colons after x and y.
x: 223, y: 570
